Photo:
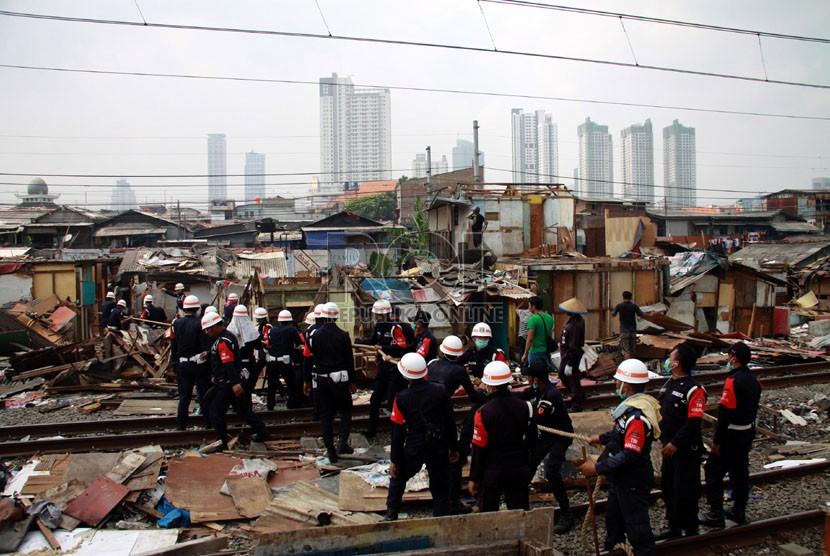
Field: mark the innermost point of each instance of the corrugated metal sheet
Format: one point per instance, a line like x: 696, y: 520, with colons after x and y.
x: 270, y: 265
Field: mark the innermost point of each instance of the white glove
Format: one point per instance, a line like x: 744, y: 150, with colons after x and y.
x: 568, y: 370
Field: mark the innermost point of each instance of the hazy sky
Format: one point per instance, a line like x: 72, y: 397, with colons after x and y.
x: 77, y: 123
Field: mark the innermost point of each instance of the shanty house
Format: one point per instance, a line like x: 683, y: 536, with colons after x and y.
x: 134, y: 228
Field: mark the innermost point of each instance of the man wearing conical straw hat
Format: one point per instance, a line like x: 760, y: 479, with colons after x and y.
x: 570, y: 350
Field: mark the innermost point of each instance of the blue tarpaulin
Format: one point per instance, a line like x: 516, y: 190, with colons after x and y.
x: 397, y: 291
x: 325, y: 240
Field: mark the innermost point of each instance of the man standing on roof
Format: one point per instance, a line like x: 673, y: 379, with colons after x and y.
x: 735, y: 431
x: 478, y: 224
x: 626, y: 461
x: 570, y: 351
x: 482, y: 352
x: 331, y: 377
x: 226, y: 366
x: 284, y: 340
x: 106, y: 311
x: 189, y: 347
x: 233, y: 300
x: 152, y: 313
x: 628, y: 312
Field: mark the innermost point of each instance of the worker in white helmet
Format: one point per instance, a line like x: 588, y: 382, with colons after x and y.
x: 247, y: 333
x: 189, y: 347
x: 106, y: 310
x: 231, y: 302
x: 179, y: 293
x: 285, y: 345
x: 152, y: 313
x: 119, y: 317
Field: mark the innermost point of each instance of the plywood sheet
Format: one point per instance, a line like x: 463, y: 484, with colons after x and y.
x: 97, y: 501
x: 150, y: 407
x: 646, y: 287
x: 290, y: 472
x: 620, y: 234
x: 707, y: 284
x: 126, y: 467
x: 88, y: 467
x: 194, y: 484
x: 251, y: 495
x: 707, y: 299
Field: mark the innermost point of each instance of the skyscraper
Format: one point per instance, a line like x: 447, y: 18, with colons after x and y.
x: 355, y: 133
x: 535, y: 147
x: 638, y: 162
x: 463, y: 153
x: 217, y: 167
x: 679, y: 165
x: 596, y: 160
x: 123, y: 197
x: 254, y: 176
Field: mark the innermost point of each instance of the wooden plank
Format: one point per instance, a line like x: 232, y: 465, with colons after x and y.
x: 196, y: 547
x: 134, y: 406
x: 97, y: 501
x: 61, y: 496
x: 50, y: 537
x: 89, y: 466
x: 126, y: 467
x: 506, y: 548
x: 194, y: 484
x: 251, y: 495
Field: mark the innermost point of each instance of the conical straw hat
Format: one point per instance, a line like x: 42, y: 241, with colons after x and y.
x: 573, y: 305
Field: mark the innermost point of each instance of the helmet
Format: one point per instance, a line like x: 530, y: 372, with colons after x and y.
x: 179, y: 287
x: 632, y: 371
x: 482, y: 330
x: 110, y: 295
x: 413, y: 366
x: 148, y: 299
x: 261, y: 313
x: 190, y: 302
x: 497, y: 373
x: 318, y: 310
x: 121, y: 303
x: 381, y: 307
x: 330, y: 311
x: 240, y: 311
x: 233, y: 297
x: 285, y: 316
x: 210, y: 319
x: 310, y: 318
x: 452, y: 346
x: 211, y: 309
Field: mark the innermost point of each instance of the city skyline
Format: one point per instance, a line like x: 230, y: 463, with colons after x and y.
x: 596, y: 160
x: 535, y: 147
x: 637, y: 161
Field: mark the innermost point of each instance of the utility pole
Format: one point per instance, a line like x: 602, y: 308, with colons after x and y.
x: 476, y: 167
x: 429, y: 167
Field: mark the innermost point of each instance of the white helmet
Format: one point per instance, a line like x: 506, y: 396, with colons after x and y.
x: 190, y: 302
x: 148, y: 299
x: 482, y: 330
x: 179, y: 287
x: 381, y: 307
x: 211, y: 309
x: 331, y: 311
x: 110, y: 295
x: 233, y: 297
x: 452, y: 346
x: 632, y: 371
x: 318, y: 310
x: 285, y: 316
x: 261, y: 313
x: 310, y: 318
x: 210, y: 319
x: 122, y: 303
x: 240, y: 311
x: 413, y: 366
x: 497, y: 373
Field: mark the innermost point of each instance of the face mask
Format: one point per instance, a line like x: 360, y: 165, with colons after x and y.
x: 621, y: 394
x: 414, y: 327
x: 667, y: 366
x: 729, y: 366
x: 480, y: 344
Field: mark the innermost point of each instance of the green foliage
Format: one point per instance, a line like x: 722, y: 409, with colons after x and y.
x: 379, y: 264
x: 380, y: 206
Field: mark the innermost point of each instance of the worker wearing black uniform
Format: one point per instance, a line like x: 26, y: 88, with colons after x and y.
x: 503, y: 436
x: 189, y: 347
x: 682, y: 403
x: 478, y: 224
x: 550, y: 412
x: 403, y: 342
x: 482, y: 353
x: 180, y: 295
x: 233, y: 301
x: 106, y: 310
x: 425, y: 343
x: 118, y: 319
x: 283, y: 341
x: 626, y: 461
x: 570, y: 351
x: 381, y: 338
x: 331, y: 377
x: 247, y: 336
x: 737, y: 412
x: 153, y: 313
x: 228, y: 382
x: 423, y: 432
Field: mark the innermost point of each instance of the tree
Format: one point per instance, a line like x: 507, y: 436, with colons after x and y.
x: 380, y: 206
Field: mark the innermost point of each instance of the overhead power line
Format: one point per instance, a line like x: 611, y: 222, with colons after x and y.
x: 400, y: 42
x: 633, y: 17
x: 417, y: 89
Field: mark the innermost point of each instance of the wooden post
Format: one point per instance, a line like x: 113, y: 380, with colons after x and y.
x: 827, y: 530
x: 752, y: 321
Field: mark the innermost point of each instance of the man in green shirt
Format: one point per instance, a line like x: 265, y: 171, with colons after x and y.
x: 539, y: 328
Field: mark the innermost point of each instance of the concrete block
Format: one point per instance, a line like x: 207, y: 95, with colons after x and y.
x: 796, y: 549
x: 819, y: 327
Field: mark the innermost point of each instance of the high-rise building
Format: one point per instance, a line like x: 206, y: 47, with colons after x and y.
x: 419, y: 166
x: 355, y: 133
x: 123, y: 197
x: 638, y: 162
x: 535, y: 147
x: 441, y: 167
x: 821, y: 183
x: 217, y: 167
x: 254, y: 177
x: 463, y: 153
x: 596, y: 160
x: 679, y: 165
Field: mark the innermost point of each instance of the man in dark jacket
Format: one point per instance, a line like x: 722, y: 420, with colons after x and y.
x: 682, y: 404
x: 570, y: 351
x: 626, y: 461
x: 425, y: 343
x: 283, y: 343
x: 119, y: 318
x: 503, y: 436
x: 482, y: 352
x: 152, y: 313
x: 737, y: 412
x: 550, y: 412
x: 106, y: 310
x: 381, y: 338
x: 189, y: 347
x: 423, y: 432
x: 228, y: 382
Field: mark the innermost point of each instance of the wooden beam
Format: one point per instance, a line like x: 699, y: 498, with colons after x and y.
x: 204, y: 545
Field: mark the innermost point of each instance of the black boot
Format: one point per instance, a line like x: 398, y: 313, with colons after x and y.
x: 564, y: 523
x: 391, y: 515
x: 736, y: 514
x: 668, y: 533
x: 713, y: 518
x: 331, y: 454
x: 344, y: 448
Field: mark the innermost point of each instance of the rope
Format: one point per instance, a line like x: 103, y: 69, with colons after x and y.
x: 582, y: 437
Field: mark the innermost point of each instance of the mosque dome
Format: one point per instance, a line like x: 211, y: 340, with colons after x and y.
x: 38, y: 187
